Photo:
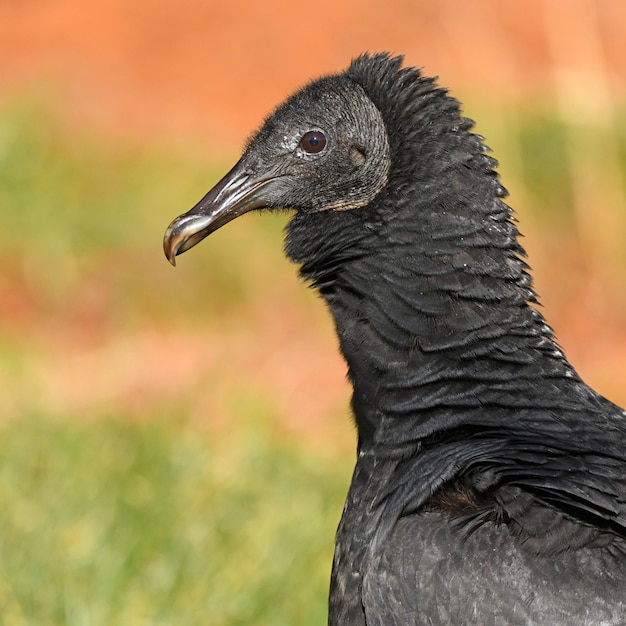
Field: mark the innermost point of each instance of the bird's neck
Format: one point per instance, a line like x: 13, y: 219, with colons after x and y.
x: 433, y: 309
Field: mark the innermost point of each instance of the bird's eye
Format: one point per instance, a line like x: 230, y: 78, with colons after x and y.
x: 313, y: 142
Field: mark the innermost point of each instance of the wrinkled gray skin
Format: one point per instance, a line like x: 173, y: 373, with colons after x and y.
x: 490, y: 484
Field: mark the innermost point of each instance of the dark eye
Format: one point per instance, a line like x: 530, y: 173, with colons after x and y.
x: 313, y: 142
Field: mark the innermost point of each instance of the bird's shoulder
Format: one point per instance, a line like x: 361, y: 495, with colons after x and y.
x: 536, y: 527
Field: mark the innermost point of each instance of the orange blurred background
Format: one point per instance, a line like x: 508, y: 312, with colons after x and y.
x: 205, y: 73
x: 165, y: 66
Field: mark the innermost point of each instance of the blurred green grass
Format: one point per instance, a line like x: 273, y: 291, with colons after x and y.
x: 118, y: 522
x: 119, y: 515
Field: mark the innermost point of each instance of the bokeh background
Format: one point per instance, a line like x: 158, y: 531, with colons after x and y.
x: 175, y: 445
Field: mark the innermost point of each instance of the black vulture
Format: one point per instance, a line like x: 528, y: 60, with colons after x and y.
x: 490, y: 482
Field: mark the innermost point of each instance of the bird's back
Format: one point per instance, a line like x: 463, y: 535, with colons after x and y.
x: 433, y: 571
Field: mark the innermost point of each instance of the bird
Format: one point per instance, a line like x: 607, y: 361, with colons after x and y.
x: 490, y: 479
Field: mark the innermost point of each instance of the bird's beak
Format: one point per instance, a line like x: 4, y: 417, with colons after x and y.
x: 237, y: 193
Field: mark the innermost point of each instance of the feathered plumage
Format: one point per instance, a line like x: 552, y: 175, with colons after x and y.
x: 490, y: 485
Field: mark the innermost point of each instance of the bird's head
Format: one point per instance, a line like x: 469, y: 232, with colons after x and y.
x: 326, y: 149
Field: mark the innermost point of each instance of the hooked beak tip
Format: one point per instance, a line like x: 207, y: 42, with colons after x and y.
x: 185, y: 232
x: 169, y: 246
